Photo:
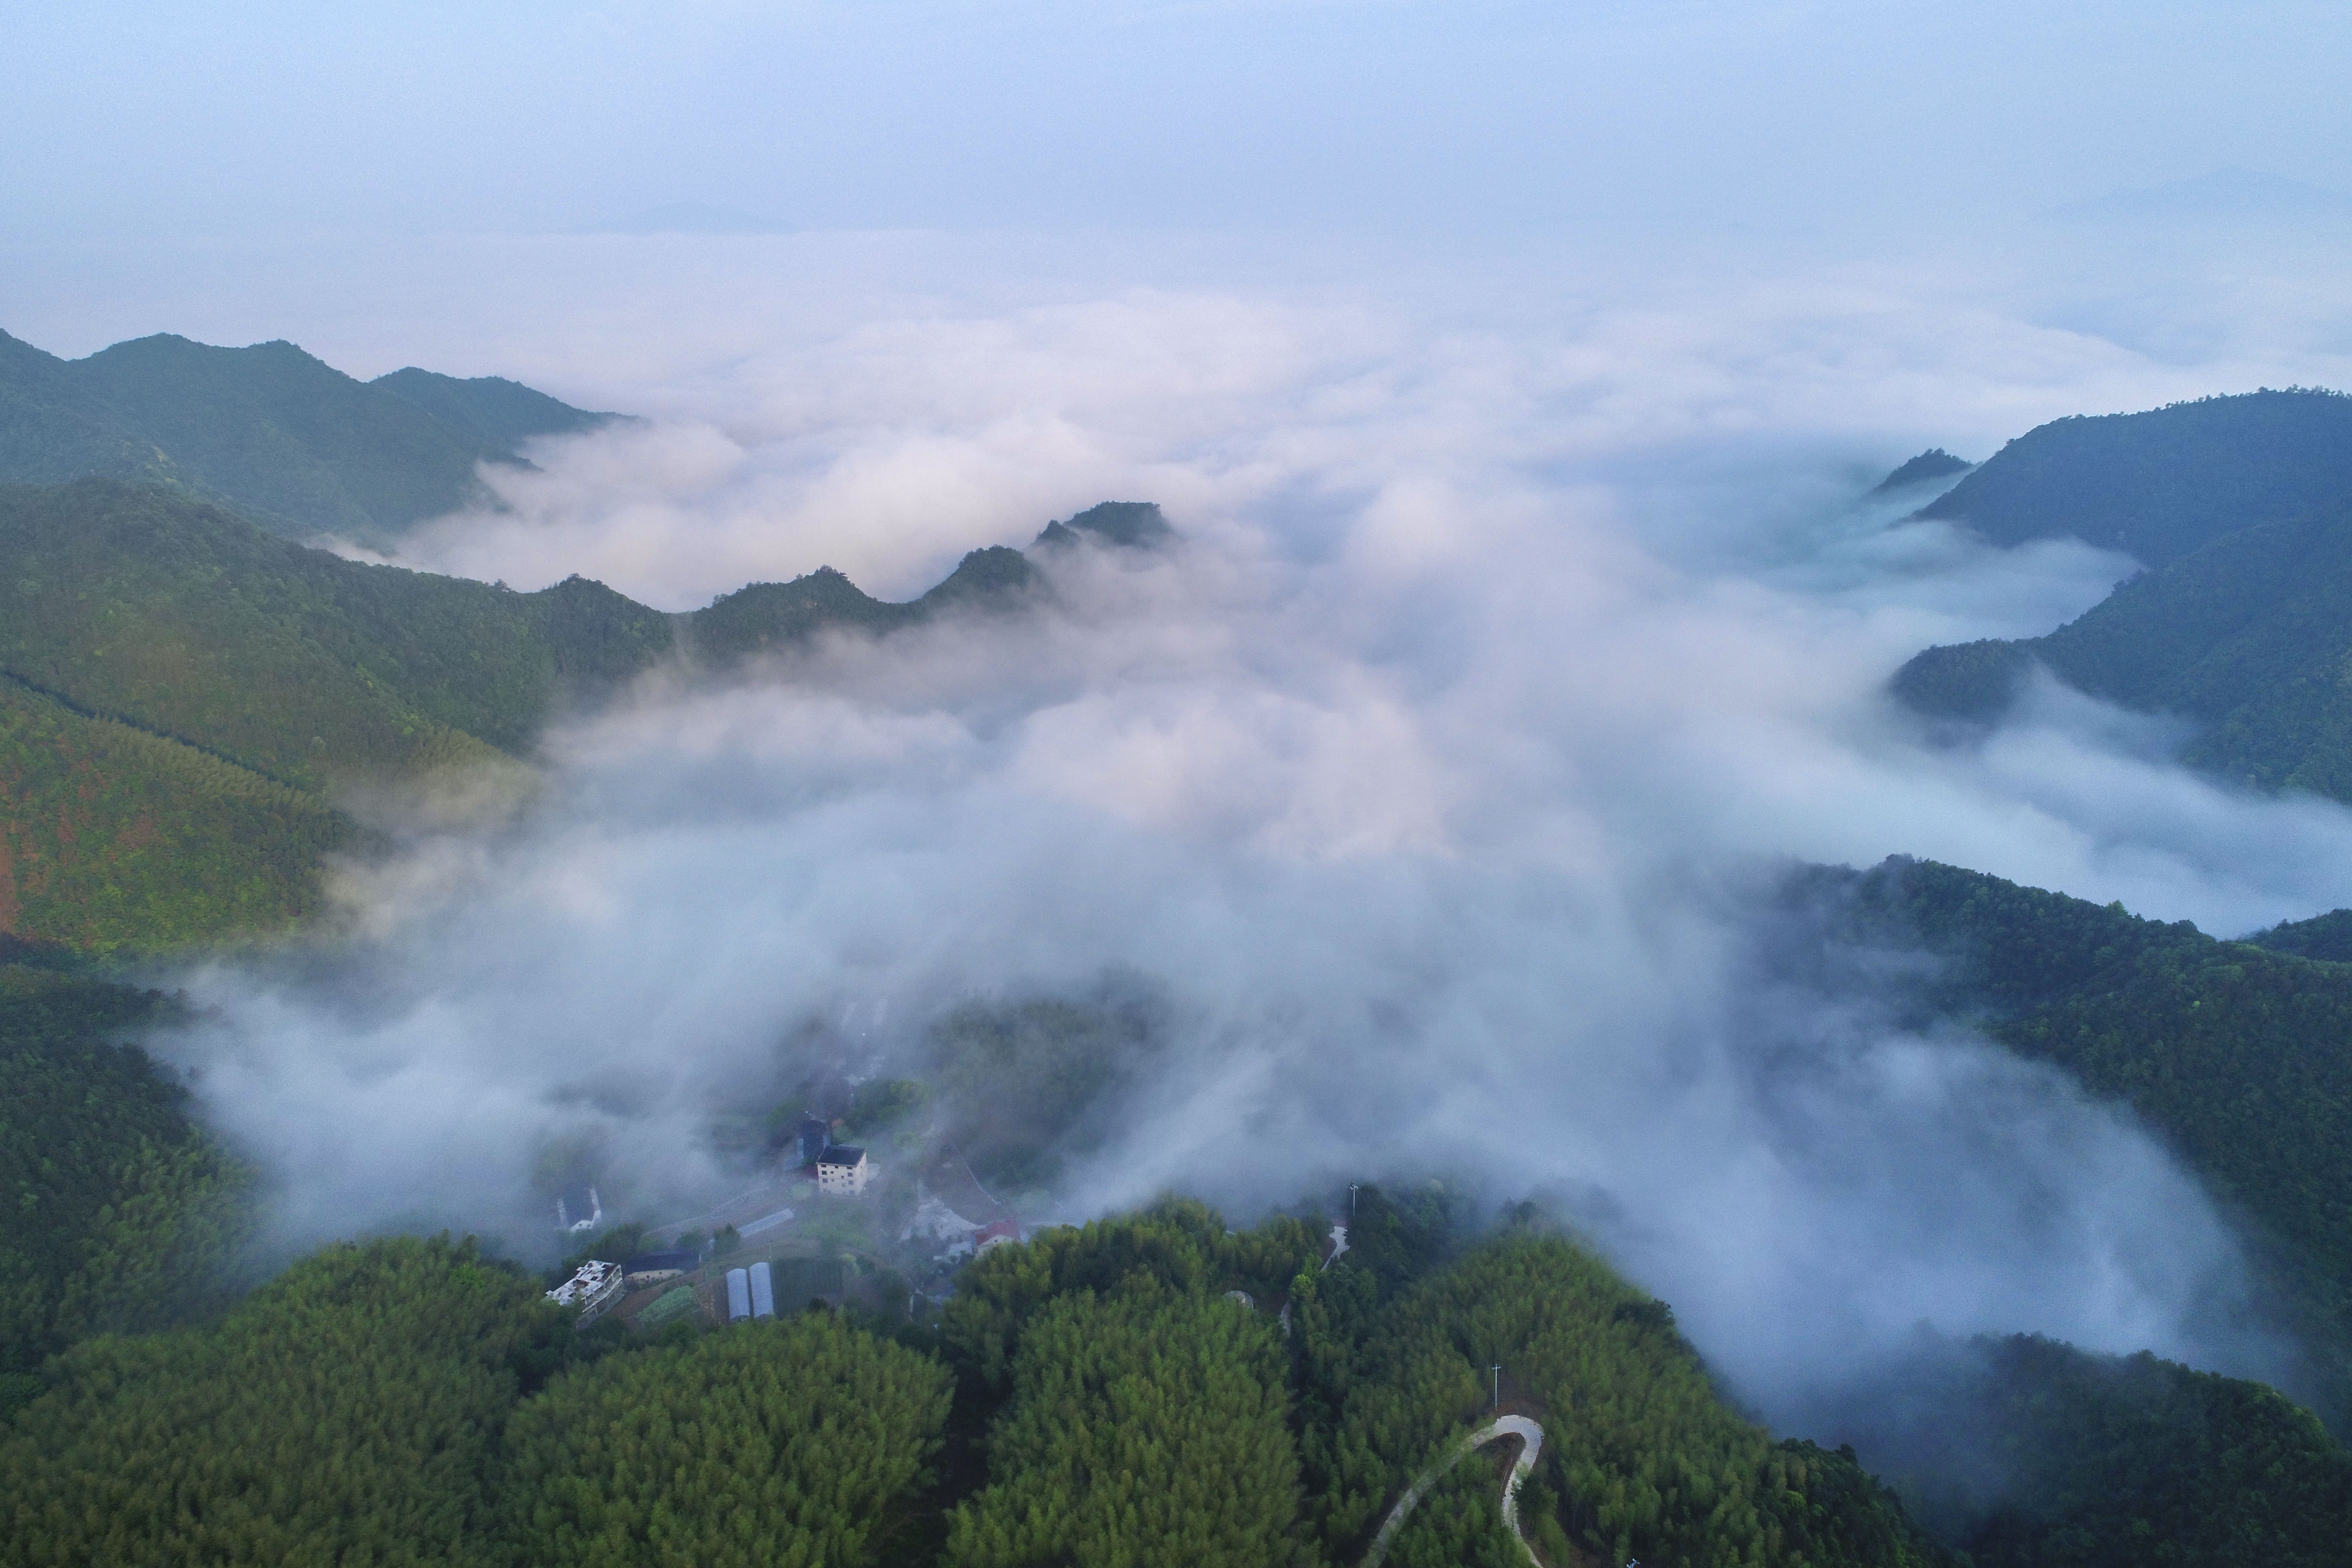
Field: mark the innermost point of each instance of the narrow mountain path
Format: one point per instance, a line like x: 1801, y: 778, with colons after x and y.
x: 1531, y: 1435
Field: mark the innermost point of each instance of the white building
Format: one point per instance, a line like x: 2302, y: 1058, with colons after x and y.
x: 594, y: 1287
x: 842, y: 1171
x: 578, y: 1210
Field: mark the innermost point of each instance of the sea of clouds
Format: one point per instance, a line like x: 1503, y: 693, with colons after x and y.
x: 1523, y: 626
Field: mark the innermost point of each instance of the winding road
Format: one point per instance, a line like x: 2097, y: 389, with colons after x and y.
x: 1531, y: 1436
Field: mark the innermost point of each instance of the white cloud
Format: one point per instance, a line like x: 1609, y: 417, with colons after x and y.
x: 1431, y: 782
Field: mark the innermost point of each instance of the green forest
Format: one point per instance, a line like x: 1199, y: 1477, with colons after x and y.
x: 2161, y: 484
x: 2239, y: 1056
x: 281, y: 436
x: 1153, y: 1388
x: 196, y: 713
x: 189, y: 704
x: 2241, y: 509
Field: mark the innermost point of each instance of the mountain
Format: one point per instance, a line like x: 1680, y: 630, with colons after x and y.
x: 2242, y: 506
x: 1127, y: 524
x: 2023, y: 1450
x: 2239, y: 1057
x: 761, y: 617
x: 2327, y: 936
x: 186, y: 620
x: 2248, y: 635
x: 280, y: 436
x: 500, y: 413
x: 2160, y: 484
x: 184, y: 695
x: 1934, y: 463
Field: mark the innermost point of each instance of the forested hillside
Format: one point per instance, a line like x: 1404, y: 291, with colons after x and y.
x: 185, y: 696
x: 121, y: 1212
x: 793, y: 1442
x: 286, y: 439
x: 2160, y: 484
x: 118, y: 838
x: 2243, y: 508
x: 2239, y: 1056
x: 1388, y: 1348
x: 2248, y: 636
x: 2025, y: 1452
x: 188, y: 621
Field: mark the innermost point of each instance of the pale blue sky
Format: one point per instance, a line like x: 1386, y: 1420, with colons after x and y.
x: 160, y: 121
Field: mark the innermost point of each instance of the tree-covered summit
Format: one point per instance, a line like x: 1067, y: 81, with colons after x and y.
x: 276, y: 433
x: 2160, y: 484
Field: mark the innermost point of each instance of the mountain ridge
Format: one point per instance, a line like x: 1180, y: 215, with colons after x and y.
x: 136, y: 606
x: 270, y: 429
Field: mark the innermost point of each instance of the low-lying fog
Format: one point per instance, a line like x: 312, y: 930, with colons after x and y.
x: 1430, y: 786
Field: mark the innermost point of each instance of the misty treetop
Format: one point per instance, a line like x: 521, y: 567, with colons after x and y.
x: 1642, y: 1459
x: 2027, y: 1452
x: 1180, y: 1243
x: 1027, y: 1083
x: 2240, y: 1056
x: 1388, y: 1351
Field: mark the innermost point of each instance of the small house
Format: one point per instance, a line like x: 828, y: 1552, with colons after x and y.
x: 1002, y: 1233
x: 842, y: 1171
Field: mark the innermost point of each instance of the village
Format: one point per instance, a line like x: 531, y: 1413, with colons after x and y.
x: 827, y: 1223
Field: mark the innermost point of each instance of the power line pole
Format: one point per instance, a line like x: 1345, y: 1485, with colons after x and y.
x: 1351, y: 1200
x: 1497, y: 1370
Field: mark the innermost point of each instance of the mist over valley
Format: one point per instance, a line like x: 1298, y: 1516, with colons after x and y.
x: 1096, y: 812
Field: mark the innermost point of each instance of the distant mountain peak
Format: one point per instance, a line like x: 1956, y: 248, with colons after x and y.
x: 276, y: 432
x: 1126, y: 525
x: 1934, y: 463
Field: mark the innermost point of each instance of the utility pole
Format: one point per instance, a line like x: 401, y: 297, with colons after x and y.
x: 1497, y: 1370
x: 1351, y: 1200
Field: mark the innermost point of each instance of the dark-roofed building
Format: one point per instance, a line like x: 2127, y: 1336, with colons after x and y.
x: 814, y: 1133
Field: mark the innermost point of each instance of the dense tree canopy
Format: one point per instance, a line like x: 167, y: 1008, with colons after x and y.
x: 122, y: 1210
x: 1145, y: 1428
x: 781, y: 1444
x: 348, y: 1412
x: 2242, y: 1056
x: 1642, y: 1457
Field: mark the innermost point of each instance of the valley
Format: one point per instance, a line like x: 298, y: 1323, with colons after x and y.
x: 218, y: 743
